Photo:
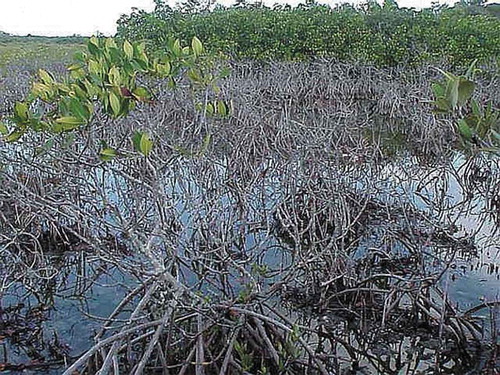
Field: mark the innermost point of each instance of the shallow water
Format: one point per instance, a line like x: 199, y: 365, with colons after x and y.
x: 447, y: 192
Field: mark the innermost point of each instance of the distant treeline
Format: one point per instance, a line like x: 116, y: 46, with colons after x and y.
x: 8, y: 38
x: 384, y: 35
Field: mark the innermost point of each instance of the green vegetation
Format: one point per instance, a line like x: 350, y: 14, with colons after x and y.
x: 106, y: 77
x: 270, y: 235
x: 37, y: 48
x: 477, y: 125
x: 383, y: 35
x: 76, y: 39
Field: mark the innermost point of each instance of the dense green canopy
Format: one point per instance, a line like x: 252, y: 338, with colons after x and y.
x: 385, y: 35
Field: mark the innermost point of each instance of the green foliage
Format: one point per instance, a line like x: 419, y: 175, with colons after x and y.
x: 105, y: 77
x: 107, y: 154
x: 246, y: 359
x: 15, y: 49
x: 453, y: 93
x: 142, y: 143
x: 384, y: 35
x: 3, y: 129
x: 477, y: 125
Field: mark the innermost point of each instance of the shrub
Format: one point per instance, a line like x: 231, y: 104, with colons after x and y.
x: 383, y: 35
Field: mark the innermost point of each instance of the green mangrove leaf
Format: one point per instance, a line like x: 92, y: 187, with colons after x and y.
x: 449, y: 76
x: 21, y: 112
x: 78, y: 93
x: 77, y: 74
x: 206, y: 143
x: 438, y: 89
x: 197, y: 46
x: 143, y: 58
x: 146, y: 145
x: 4, y: 130
x: 37, y: 125
x: 64, y: 89
x: 114, y: 101
x: 78, y: 109
x: 139, y: 65
x: 128, y: 49
x: 94, y: 67
x: 73, y: 67
x: 114, y: 76
x: 45, y: 77
x: 110, y: 43
x: 93, y: 47
x: 41, y: 90
x: 163, y: 69
x: 142, y: 143
x: 452, y: 93
x: 472, y: 69
x: 476, y: 110
x: 194, y: 76
x: 473, y: 121
x: 210, y: 109
x: 91, y: 89
x: 66, y: 123
x: 141, y: 94
x: 107, y: 154
x: 441, y: 106
x: 465, y: 90
x: 222, y: 108
x: 176, y: 48
x: 141, y: 47
x: 465, y: 131
x: 80, y: 56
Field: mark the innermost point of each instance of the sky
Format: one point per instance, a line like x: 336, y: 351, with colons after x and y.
x: 86, y: 17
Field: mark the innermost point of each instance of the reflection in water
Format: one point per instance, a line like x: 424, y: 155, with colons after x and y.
x: 294, y: 242
x: 395, y: 231
x: 45, y: 323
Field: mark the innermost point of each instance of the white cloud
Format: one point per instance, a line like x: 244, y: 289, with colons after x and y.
x: 65, y: 17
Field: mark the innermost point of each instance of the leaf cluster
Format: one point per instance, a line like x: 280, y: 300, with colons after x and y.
x: 477, y: 124
x: 105, y: 79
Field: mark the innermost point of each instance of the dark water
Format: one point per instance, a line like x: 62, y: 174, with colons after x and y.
x: 466, y: 199
x: 76, y: 303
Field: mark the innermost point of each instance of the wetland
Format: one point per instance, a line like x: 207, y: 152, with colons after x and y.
x: 331, y: 225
